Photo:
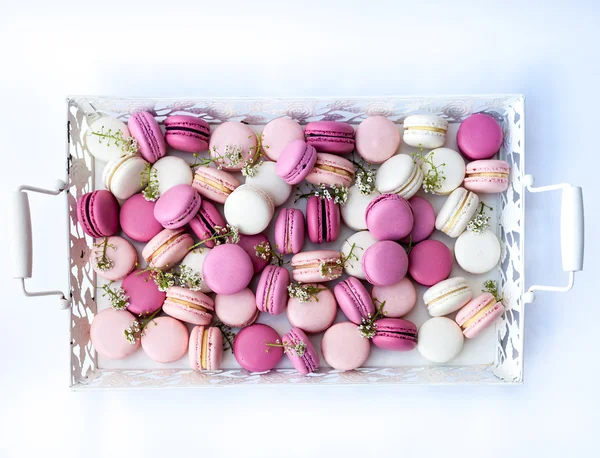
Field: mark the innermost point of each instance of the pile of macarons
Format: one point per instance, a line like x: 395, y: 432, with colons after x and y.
x: 202, y: 230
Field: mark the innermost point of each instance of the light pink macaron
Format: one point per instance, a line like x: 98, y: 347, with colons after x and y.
x: 344, y: 348
x: 277, y: 134
x: 167, y: 248
x: 487, y: 176
x: 478, y: 314
x: 330, y: 170
x: 107, y: 334
x: 317, y: 266
x: 377, y: 139
x: 400, y: 298
x: 230, y: 135
x: 289, y: 231
x: 190, y: 306
x: 113, y: 258
x: 237, y: 310
x: 205, y: 348
x: 227, y: 269
x: 214, y: 184
x: 165, y: 339
x: 315, y: 315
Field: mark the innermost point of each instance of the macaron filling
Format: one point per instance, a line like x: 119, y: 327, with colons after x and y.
x: 412, y: 335
x: 427, y: 128
x: 197, y: 131
x: 213, y: 184
x: 267, y: 303
x: 479, y: 314
x: 414, y: 176
x: 446, y: 295
x: 488, y: 175
x: 332, y: 169
x: 188, y: 304
x: 204, y: 350
x: 452, y: 221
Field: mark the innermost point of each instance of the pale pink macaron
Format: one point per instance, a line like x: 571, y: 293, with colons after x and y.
x: 289, y: 231
x: 478, y: 314
x: 214, y: 184
x: 344, y: 348
x: 377, y: 139
x: 190, y: 306
x: 167, y: 248
x: 113, y: 258
x: 205, y: 348
x: 165, y: 339
x: 314, y: 315
x: 230, y: 135
x: 108, y: 334
x: 277, y: 134
x: 330, y: 170
x: 317, y: 266
x: 400, y: 298
x: 237, y: 310
x: 487, y: 176
x: 227, y: 269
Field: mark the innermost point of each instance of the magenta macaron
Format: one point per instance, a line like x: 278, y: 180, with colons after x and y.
x: 165, y: 339
x: 146, y: 131
x: 144, y: 296
x: 289, y: 231
x: 251, y: 351
x: 424, y: 220
x: 98, y: 213
x: 167, y: 248
x: 479, y: 136
x: 478, y: 314
x: 137, y: 219
x: 250, y: 243
x: 354, y: 300
x: 227, y: 269
x: 331, y: 170
x: 430, y: 262
x: 205, y: 221
x: 389, y: 217
x: 214, y: 184
x: 187, y: 133
x: 107, y: 333
x: 300, y: 351
x: 190, y: 306
x: 296, y: 161
x: 205, y: 348
x: 271, y: 292
x: 384, y: 263
x: 330, y: 136
x: 177, y: 207
x: 113, y: 258
x: 323, y: 220
x: 395, y: 334
x: 487, y: 176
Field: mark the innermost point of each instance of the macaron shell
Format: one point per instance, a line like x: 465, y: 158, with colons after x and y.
x: 177, y: 244
x: 354, y: 211
x: 151, y: 143
x: 214, y: 184
x: 250, y: 209
x: 174, y: 307
x: 249, y: 244
x: 237, y: 310
x: 458, y: 209
x: 296, y: 161
x: 177, y: 207
x: 227, y: 269
x: 144, y: 295
x: 400, y: 298
x: 477, y: 253
x: 118, y: 250
x: 187, y: 133
x: 250, y: 350
x: 331, y: 170
x: 377, y: 139
x: 453, y: 169
x: 195, y: 261
x: 363, y: 241
x: 323, y: 220
x: 171, y: 171
x: 107, y: 334
x: 309, y: 361
x: 343, y: 347
x: 430, y: 262
x: 354, y: 300
x: 395, y: 334
x: 330, y: 136
x: 399, y: 175
x: 303, y: 263
x: 165, y: 339
x: 267, y: 179
x: 125, y: 176
x: 271, y: 292
x: 98, y: 214
x: 440, y: 340
x: 479, y: 136
x: 315, y: 315
x: 389, y: 217
x: 203, y: 224
x: 289, y: 231
x: 232, y: 134
x: 137, y: 219
x: 424, y: 220
x: 483, y: 321
x: 487, y: 176
x: 98, y: 146
x: 277, y: 134
x: 385, y: 263
x: 214, y: 348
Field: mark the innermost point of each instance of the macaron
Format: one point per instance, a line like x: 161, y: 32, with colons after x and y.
x: 430, y: 262
x: 227, y: 269
x: 487, y: 176
x: 449, y: 164
x: 113, y: 258
x: 440, y: 340
x: 395, y: 334
x: 424, y: 220
x: 399, y: 175
x: 354, y: 300
x: 389, y: 217
x: 205, y: 348
x: 236, y: 310
x: 249, y: 244
x: 289, y: 231
x: 177, y: 207
x: 314, y: 315
x: 165, y: 339
x: 194, y: 260
x: 400, y: 298
x: 343, y: 347
x: 447, y: 296
x: 107, y: 333
x: 331, y: 170
x: 300, y: 351
x: 144, y: 128
x: 205, y: 221
x: 271, y: 292
x: 316, y: 266
x: 144, y: 296
x: 478, y: 314
x: 125, y: 176
x: 330, y: 136
x: 192, y: 307
x: 384, y: 263
x: 353, y: 211
x: 267, y: 179
x: 458, y: 209
x: 214, y: 184
x: 250, y: 349
x: 98, y: 214
x: 277, y: 134
x: 250, y: 209
x: 425, y: 131
x: 477, y: 253
x: 137, y: 219
x: 322, y: 219
x: 167, y: 248
x: 296, y: 161
x: 103, y: 138
x: 479, y: 136
x: 187, y: 133
x: 377, y: 139
x: 231, y: 139
x: 171, y: 171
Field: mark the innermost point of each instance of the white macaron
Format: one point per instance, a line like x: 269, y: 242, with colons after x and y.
x: 171, y: 171
x: 102, y: 138
x: 267, y: 179
x: 399, y: 175
x: 354, y: 210
x: 361, y: 241
x: 125, y: 176
x: 249, y: 208
x: 449, y: 163
x: 195, y: 260
x: 447, y: 296
x: 477, y: 253
x: 458, y: 209
x: 440, y: 339
x: 425, y: 131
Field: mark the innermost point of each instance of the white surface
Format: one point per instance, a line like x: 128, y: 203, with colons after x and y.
x: 546, y: 50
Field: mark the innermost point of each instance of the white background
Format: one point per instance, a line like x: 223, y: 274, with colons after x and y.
x: 546, y: 50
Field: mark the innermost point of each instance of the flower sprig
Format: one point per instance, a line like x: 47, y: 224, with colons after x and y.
x: 228, y: 335
x: 128, y: 145
x: 337, y: 193
x: 116, y: 296
x: 491, y: 287
x: 434, y: 177
x: 250, y: 166
x: 102, y: 261
x: 481, y: 221
x: 136, y: 330
x: 326, y: 268
x: 230, y: 158
x: 304, y: 292
x: 368, y: 327
x: 264, y: 251
x: 365, y: 177
x: 150, y: 180
x: 288, y: 347
x: 227, y: 234
x: 185, y: 277
x: 408, y: 246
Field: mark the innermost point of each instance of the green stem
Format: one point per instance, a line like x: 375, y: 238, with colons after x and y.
x: 145, y: 321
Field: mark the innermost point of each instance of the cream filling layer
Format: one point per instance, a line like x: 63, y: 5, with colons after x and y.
x: 214, y: 184
x: 427, y: 128
x: 163, y: 247
x: 479, y: 314
x: 444, y: 296
x: 204, y: 350
x: 488, y: 174
x: 114, y: 171
x: 188, y: 304
x: 337, y: 170
x: 450, y: 224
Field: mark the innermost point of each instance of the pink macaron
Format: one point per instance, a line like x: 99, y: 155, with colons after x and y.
x: 479, y: 136
x: 214, y: 184
x: 137, y: 219
x: 277, y: 134
x: 289, y: 231
x: 343, y: 347
x: 144, y: 296
x: 177, y: 207
x: 395, y: 334
x: 251, y: 351
x: 205, y: 221
x: 323, y: 220
x: 317, y: 266
x: 330, y: 136
x: 400, y: 298
x: 107, y: 333
x: 98, y: 214
x: 487, y: 176
x: 165, y: 339
x: 146, y: 131
x: 271, y: 292
x: 167, y: 248
x: 377, y: 139
x: 192, y: 307
x: 430, y: 262
x: 187, y: 133
x: 478, y: 314
x: 227, y: 269
x: 389, y: 217
x: 296, y: 161
x: 250, y: 243
x: 113, y: 258
x: 300, y: 351
x: 232, y: 135
x: 237, y: 310
x: 424, y: 220
x: 384, y: 263
x: 315, y: 315
x: 205, y: 348
x: 354, y: 300
x: 331, y: 170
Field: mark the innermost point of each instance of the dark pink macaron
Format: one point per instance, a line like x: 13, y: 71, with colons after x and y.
x: 144, y: 296
x: 137, y: 219
x: 424, y: 217
x: 479, y: 136
x: 271, y: 292
x: 354, y: 300
x: 395, y: 334
x: 430, y: 262
x: 389, y: 217
x: 227, y: 269
x: 146, y: 131
x: 177, y: 207
x: 385, y: 263
x: 300, y: 351
x: 323, y: 220
x: 251, y: 350
x: 330, y: 136
x: 98, y: 214
x: 289, y: 231
x: 249, y: 244
x: 187, y: 133
x: 296, y: 161
x: 203, y: 224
